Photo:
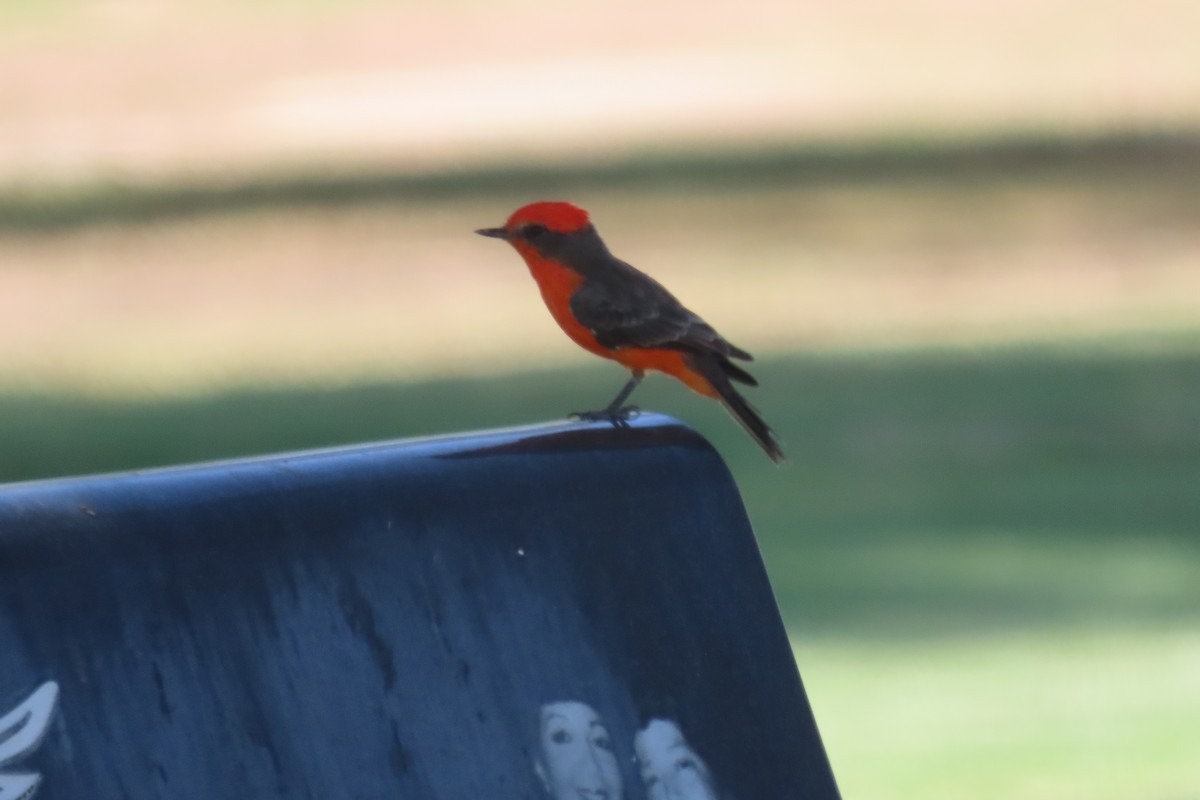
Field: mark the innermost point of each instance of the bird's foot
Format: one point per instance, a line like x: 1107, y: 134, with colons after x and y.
x: 619, y: 417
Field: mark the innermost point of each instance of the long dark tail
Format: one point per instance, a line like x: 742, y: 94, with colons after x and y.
x: 718, y: 371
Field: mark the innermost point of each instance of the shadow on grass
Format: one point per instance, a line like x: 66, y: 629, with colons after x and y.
x: 1169, y: 157
x: 926, y: 495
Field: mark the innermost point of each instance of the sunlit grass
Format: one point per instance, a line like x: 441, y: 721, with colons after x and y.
x: 1070, y: 714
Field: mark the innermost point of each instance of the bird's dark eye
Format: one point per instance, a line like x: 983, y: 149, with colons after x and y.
x: 533, y: 231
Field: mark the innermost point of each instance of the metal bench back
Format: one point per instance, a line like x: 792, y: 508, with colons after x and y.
x: 518, y: 614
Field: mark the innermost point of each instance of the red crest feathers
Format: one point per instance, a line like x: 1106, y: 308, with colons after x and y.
x: 555, y: 216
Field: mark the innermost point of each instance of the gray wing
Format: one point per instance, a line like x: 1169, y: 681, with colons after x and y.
x: 631, y: 309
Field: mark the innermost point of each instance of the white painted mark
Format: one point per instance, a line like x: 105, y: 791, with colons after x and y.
x: 21, y: 731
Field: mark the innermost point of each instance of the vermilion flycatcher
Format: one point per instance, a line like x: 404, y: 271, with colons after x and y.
x: 613, y: 310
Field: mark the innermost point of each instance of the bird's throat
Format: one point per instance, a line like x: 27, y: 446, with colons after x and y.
x: 558, y: 282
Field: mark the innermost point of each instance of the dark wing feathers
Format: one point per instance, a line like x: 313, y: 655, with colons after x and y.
x: 737, y: 373
x: 623, y: 307
x: 627, y: 308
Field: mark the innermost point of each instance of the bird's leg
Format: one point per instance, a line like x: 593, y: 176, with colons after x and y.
x: 619, y: 415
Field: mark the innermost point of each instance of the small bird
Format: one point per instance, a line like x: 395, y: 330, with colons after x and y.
x: 611, y: 309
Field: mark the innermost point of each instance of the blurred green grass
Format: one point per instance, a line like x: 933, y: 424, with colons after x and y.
x: 1005, y: 459
x: 989, y: 562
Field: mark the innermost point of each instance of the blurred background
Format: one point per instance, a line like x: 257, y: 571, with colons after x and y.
x: 963, y: 240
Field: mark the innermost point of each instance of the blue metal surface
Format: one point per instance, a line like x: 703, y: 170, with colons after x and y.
x: 393, y: 620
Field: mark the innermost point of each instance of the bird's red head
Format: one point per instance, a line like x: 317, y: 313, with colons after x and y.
x: 554, y: 216
x: 527, y: 222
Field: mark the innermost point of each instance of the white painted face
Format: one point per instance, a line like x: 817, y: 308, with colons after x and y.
x: 671, y: 770
x: 577, y: 761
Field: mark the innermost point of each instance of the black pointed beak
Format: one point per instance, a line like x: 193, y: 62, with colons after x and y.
x: 494, y: 233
